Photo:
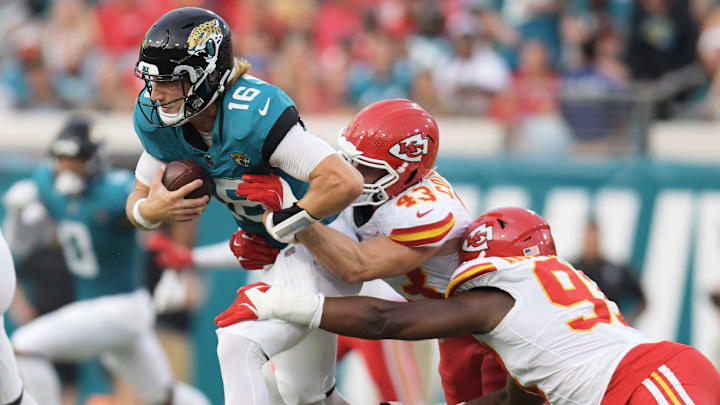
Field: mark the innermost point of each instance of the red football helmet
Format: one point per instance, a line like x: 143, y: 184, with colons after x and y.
x: 506, y: 232
x: 396, y: 135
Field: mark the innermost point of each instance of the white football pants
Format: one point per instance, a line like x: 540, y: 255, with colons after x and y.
x: 117, y: 328
x: 304, y: 360
x: 10, y: 384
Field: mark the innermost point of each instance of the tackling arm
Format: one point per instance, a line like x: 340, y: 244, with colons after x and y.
x: 353, y: 261
x: 476, y: 311
x: 334, y: 184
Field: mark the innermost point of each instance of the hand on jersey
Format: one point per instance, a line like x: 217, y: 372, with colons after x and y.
x: 271, y: 191
x: 252, y: 251
x: 168, y: 253
x: 283, y: 218
x: 164, y: 206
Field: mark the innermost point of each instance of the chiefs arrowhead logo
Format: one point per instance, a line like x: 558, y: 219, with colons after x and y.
x: 477, y: 240
x: 410, y: 149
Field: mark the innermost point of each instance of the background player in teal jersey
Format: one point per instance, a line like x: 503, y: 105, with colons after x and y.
x: 199, y: 103
x: 113, y: 316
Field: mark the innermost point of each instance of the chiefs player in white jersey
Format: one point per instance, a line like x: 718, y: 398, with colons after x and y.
x: 11, y: 390
x: 555, y: 332
x: 409, y: 222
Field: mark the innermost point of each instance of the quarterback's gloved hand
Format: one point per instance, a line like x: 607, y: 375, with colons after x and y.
x: 252, y: 251
x: 169, y: 253
x: 271, y: 191
x: 261, y: 301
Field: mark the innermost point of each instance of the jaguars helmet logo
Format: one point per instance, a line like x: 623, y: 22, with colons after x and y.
x: 206, y: 37
x: 240, y: 158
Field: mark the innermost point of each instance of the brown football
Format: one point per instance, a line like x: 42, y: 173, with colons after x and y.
x: 181, y: 172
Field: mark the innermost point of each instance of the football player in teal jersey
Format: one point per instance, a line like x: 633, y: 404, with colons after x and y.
x: 200, y: 103
x: 113, y: 317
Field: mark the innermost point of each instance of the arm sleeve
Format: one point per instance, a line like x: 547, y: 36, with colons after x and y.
x: 146, y: 168
x: 299, y: 153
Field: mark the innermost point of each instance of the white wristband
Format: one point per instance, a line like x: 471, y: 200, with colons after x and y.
x: 139, y: 218
x: 302, y: 308
x: 296, y: 219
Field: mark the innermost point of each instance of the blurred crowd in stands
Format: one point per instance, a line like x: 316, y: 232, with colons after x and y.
x: 570, y: 68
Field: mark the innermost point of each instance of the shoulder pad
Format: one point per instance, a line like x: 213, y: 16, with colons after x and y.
x: 465, y: 277
x: 423, y: 231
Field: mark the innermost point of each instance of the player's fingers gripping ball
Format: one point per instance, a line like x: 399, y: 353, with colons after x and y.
x: 271, y: 191
x: 252, y: 251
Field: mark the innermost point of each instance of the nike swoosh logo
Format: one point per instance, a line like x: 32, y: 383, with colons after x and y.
x: 264, y: 111
x: 420, y: 215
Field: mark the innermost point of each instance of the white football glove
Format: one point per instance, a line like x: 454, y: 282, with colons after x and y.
x: 20, y: 195
x: 171, y: 292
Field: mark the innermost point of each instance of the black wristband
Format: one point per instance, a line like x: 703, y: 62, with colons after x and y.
x: 282, y: 215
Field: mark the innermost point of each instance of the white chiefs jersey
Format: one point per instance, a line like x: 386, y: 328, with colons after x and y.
x: 425, y: 215
x: 562, y: 337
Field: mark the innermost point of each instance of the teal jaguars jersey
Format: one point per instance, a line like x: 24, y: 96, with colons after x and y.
x: 98, y: 241
x: 253, y: 119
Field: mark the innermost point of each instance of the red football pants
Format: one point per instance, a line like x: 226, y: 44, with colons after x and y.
x: 664, y: 373
x: 468, y: 369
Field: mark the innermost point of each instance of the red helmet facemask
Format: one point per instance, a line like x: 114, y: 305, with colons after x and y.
x: 507, y: 232
x: 397, y: 136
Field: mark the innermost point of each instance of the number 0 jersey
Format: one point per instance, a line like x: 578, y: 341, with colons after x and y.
x: 97, y: 240
x: 425, y: 215
x: 562, y: 337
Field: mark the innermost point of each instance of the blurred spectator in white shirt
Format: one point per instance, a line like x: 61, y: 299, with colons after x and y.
x: 475, y: 73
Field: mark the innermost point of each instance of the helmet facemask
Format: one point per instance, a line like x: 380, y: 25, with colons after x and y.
x: 373, y: 193
x: 199, y: 96
x: 70, y: 182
